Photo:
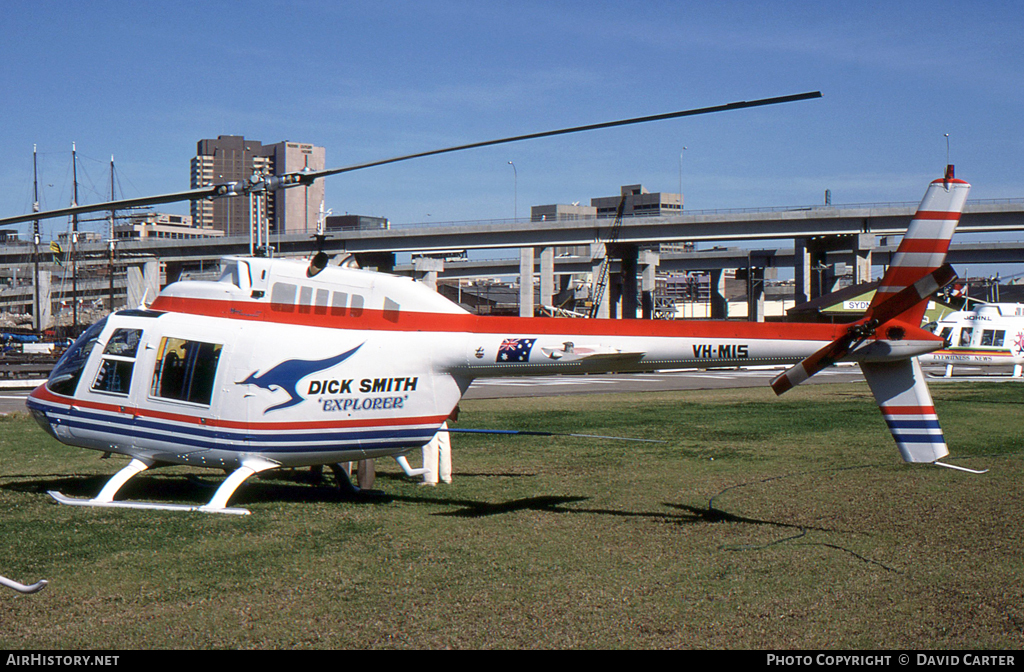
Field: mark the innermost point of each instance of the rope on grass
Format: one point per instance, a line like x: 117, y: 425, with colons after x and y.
x: 802, y: 530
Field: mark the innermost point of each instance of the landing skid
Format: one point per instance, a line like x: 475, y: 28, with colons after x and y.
x: 21, y: 587
x: 218, y: 504
x: 156, y: 506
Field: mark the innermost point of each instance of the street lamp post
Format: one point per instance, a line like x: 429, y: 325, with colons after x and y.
x: 515, y: 191
x: 681, y: 176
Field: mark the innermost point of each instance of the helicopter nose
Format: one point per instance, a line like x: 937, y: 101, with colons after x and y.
x: 35, y: 409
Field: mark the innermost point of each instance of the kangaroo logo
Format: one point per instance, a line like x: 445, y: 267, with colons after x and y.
x: 286, y: 375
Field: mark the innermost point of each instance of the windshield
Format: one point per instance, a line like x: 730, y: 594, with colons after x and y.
x: 64, y: 378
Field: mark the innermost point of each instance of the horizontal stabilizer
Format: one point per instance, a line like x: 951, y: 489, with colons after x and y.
x: 596, y: 353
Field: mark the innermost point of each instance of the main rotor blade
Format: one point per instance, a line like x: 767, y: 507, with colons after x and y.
x: 308, y: 177
x: 312, y: 175
x: 191, y: 195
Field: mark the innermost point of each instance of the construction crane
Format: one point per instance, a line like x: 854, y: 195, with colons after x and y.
x: 600, y: 281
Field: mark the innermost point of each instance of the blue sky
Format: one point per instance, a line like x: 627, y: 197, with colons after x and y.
x: 145, y: 81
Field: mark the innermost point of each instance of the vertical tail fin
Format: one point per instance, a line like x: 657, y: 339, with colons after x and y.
x: 924, y: 246
x: 899, y: 386
x: 917, y: 271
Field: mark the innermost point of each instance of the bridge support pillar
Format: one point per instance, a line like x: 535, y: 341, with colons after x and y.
x: 143, y: 283
x: 819, y: 262
x: 755, y: 294
x: 719, y: 304
x: 649, y: 260
x: 547, y: 275
x: 44, y: 320
x: 425, y: 269
x: 526, y: 308
x: 598, y: 252
x: 625, y: 287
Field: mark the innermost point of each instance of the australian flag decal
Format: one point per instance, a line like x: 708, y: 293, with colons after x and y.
x: 515, y: 350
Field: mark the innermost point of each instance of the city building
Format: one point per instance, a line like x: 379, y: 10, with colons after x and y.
x: 354, y: 223
x: 639, y: 202
x: 561, y: 212
x: 232, y: 158
x: 162, y: 225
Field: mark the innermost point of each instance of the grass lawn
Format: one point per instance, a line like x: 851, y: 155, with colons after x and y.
x: 760, y: 523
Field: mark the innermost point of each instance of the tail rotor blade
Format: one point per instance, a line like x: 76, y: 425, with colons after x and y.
x: 910, y: 296
x: 811, y: 365
x: 891, y: 308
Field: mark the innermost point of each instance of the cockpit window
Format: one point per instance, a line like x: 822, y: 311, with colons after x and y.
x: 124, y: 342
x: 115, y: 372
x: 64, y: 377
x: 185, y: 370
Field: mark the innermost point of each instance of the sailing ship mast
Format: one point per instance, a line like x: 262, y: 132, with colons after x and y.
x: 110, y: 265
x: 74, y: 242
x: 37, y: 318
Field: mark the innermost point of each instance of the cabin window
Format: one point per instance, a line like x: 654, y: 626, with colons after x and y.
x: 965, y: 336
x: 357, y: 305
x: 115, y: 372
x: 185, y: 370
x: 321, y: 301
x: 993, y: 338
x: 946, y: 332
x: 339, y: 303
x: 391, y: 309
x: 64, y: 377
x: 282, y: 297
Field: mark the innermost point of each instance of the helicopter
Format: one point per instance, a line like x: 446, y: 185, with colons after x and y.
x: 284, y: 363
x: 990, y: 334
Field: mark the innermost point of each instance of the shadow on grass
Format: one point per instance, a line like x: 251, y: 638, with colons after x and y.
x: 290, y: 488
x: 301, y: 487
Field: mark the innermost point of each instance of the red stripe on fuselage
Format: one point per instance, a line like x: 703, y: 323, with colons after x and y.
x: 382, y: 320
x: 44, y: 394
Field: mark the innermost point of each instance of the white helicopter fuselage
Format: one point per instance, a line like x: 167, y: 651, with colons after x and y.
x: 278, y: 364
x: 990, y: 335
x: 346, y: 365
